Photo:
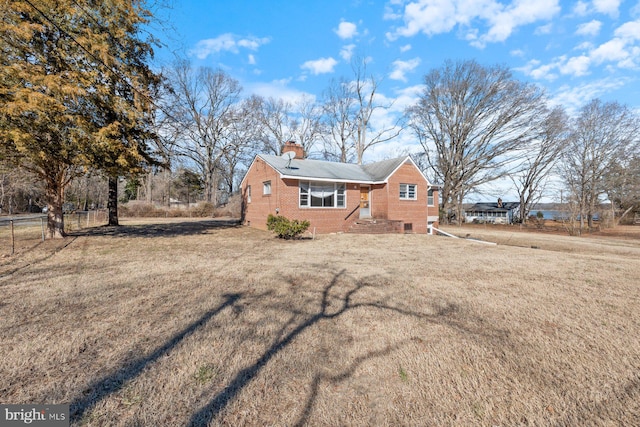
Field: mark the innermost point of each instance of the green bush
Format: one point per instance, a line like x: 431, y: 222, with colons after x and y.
x: 285, y: 228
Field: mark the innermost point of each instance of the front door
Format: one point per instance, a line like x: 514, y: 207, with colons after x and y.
x: 365, y: 209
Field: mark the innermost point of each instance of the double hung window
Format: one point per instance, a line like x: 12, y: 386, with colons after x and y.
x: 408, y: 191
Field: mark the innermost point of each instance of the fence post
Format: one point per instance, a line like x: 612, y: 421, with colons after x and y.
x: 13, y: 238
x: 42, y: 226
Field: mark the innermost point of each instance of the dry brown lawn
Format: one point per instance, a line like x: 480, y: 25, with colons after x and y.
x: 203, y: 323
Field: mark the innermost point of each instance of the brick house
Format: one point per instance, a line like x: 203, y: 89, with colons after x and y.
x: 335, y: 197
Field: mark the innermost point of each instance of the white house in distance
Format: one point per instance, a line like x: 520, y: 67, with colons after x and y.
x: 495, y: 213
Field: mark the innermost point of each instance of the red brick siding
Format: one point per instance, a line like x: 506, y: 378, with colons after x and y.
x: 379, y: 201
x: 384, y: 201
x: 260, y: 206
x: 285, y: 197
x: 408, y: 211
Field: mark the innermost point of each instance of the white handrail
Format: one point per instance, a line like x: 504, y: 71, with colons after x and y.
x: 456, y: 237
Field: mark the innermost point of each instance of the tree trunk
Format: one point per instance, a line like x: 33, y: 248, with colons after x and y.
x: 54, y: 193
x: 112, y: 203
x: 149, y: 195
x: 523, y: 213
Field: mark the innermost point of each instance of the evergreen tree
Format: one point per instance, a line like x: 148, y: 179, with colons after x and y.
x: 74, y: 91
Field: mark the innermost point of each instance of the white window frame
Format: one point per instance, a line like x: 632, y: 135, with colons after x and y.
x: 248, y: 194
x: 430, y: 197
x: 407, y: 191
x: 339, y: 195
x: 266, y: 188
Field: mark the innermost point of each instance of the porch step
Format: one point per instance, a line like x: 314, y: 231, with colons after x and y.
x: 376, y: 226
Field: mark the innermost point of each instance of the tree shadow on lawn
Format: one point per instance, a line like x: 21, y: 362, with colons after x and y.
x: 443, y: 313
x: 332, y: 304
x: 160, y: 229
x: 110, y: 384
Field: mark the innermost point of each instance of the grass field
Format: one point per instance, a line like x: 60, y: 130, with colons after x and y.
x: 199, y: 322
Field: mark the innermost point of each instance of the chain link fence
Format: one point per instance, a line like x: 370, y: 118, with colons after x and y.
x: 22, y: 232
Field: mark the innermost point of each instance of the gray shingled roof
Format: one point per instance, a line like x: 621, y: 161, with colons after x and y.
x: 492, y: 207
x: 324, y: 170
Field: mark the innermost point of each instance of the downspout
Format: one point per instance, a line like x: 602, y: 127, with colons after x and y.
x: 428, y: 226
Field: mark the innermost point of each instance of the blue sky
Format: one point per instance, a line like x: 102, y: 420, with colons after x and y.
x: 576, y: 50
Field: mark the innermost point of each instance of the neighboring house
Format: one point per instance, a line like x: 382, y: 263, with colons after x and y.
x: 497, y: 213
x: 334, y: 196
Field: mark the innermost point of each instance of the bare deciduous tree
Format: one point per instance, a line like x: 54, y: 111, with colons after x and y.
x: 600, y: 136
x: 339, y: 110
x: 19, y: 190
x: 623, y: 185
x: 203, y: 105
x: 306, y: 124
x: 539, y: 160
x: 365, y: 89
x: 283, y: 121
x: 350, y: 107
x: 274, y: 115
x: 471, y: 121
x: 243, y: 133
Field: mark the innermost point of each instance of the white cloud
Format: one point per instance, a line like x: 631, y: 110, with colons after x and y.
x: 613, y: 50
x: 405, y: 48
x: 519, y: 53
x: 226, y: 43
x: 581, y: 8
x: 622, y: 51
x: 400, y: 68
x: 522, y: 12
x: 432, y: 17
x: 407, y: 96
x: 320, y: 66
x: 347, y: 51
x: 278, y: 89
x: 251, y: 59
x: 543, y: 72
x: 390, y: 14
x: 346, y: 30
x: 574, y: 97
x: 589, y: 28
x: 576, y: 66
x: 632, y: 60
x: 584, y: 46
x: 607, y: 7
x: 543, y: 29
x: 629, y: 31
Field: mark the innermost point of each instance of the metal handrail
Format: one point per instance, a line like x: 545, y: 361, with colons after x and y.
x: 352, y: 212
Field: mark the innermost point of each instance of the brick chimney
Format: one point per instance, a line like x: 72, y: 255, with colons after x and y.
x: 296, y: 148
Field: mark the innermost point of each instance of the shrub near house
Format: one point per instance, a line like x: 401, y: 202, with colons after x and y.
x: 286, y: 229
